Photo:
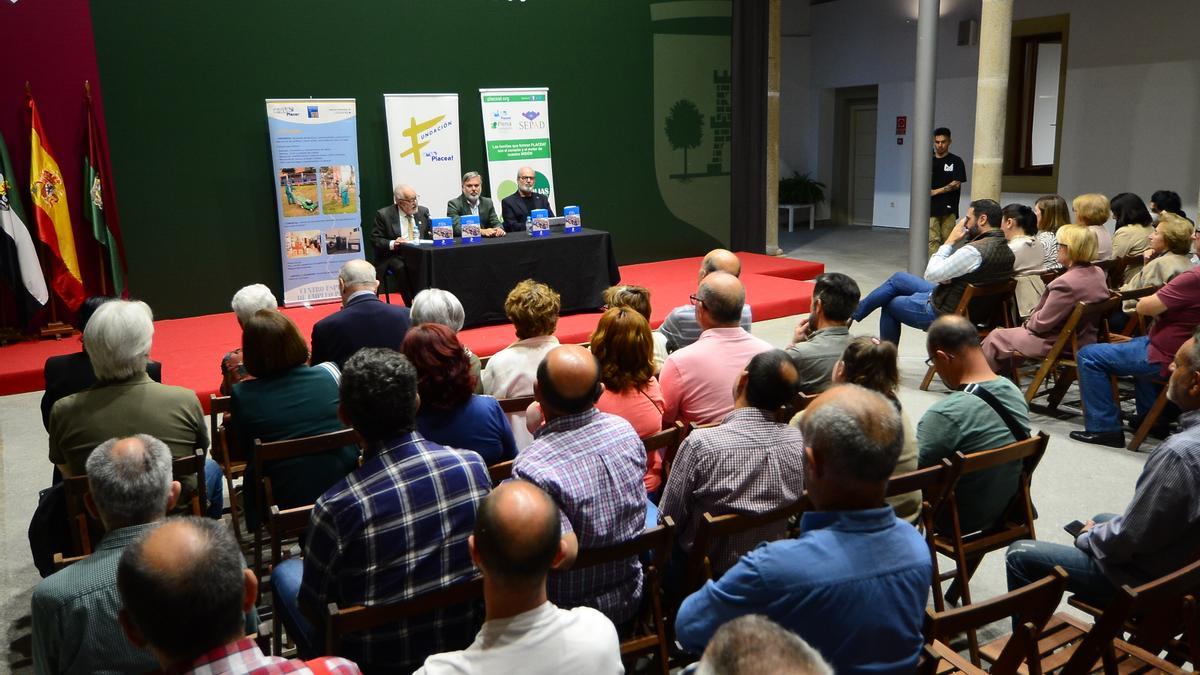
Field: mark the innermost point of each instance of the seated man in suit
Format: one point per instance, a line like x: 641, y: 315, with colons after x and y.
x: 517, y: 206
x: 363, y: 321
x: 402, y: 221
x: 472, y: 203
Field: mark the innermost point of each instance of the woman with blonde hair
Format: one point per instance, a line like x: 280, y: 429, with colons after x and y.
x: 1052, y: 213
x: 1092, y: 211
x: 1168, y: 255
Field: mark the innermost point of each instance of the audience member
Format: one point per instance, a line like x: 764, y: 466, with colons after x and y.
x: 1133, y: 229
x: 1052, y: 213
x: 1092, y: 211
x: 1019, y: 226
x: 637, y: 298
x: 450, y: 414
x: 910, y: 300
x: 394, y: 528
x: 286, y: 399
x: 363, y: 321
x: 857, y: 576
x: 872, y: 363
x: 1167, y: 256
x: 948, y: 174
x: 532, y: 308
x: 72, y: 373
x: 682, y: 326
x: 247, y: 301
x: 1176, y: 312
x: 624, y: 349
x: 748, y: 464
x: 1157, y: 534
x: 983, y: 412
x: 1166, y: 201
x: 754, y: 644
x: 185, y: 590
x: 75, y: 610
x: 433, y: 305
x: 1082, y: 282
x: 592, y: 465
x: 820, y: 339
x: 516, y: 541
x: 125, y: 401
x: 697, y: 381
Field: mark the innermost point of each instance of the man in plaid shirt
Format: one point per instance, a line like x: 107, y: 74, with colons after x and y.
x: 393, y: 530
x: 185, y: 590
x: 592, y: 465
x: 748, y: 464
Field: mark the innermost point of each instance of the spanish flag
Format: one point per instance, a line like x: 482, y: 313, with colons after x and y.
x: 52, y: 216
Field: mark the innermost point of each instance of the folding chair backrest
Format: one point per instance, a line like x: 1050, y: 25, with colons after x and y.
x: 340, y: 622
x: 1092, y: 313
x: 284, y: 524
x: 988, y: 305
x: 711, y: 528
x: 517, y: 404
x: 218, y: 407
x: 1029, y: 452
x: 500, y: 472
x: 667, y: 441
x: 274, y: 451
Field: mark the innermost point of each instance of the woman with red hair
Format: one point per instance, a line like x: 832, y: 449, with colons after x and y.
x: 451, y: 414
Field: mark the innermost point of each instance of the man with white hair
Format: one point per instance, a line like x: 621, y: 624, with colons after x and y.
x: 434, y: 305
x: 472, y: 203
x: 247, y: 301
x: 75, y: 627
x: 364, y: 320
x: 401, y: 221
x: 518, y: 206
x: 125, y: 401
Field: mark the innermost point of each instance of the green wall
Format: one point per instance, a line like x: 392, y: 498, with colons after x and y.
x: 184, y: 85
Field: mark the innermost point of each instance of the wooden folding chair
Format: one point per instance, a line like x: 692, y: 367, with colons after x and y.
x: 62, y: 562
x: 649, y: 631
x: 1031, y: 606
x: 1150, y: 419
x: 517, y: 404
x: 666, y: 442
x: 1118, y: 266
x: 700, y: 566
x: 1015, y: 523
x: 986, y: 306
x: 935, y: 483
x: 283, y: 525
x: 798, y: 403
x: 223, y: 453
x: 265, y: 453
x: 1137, y: 324
x: 500, y: 472
x: 1060, y: 360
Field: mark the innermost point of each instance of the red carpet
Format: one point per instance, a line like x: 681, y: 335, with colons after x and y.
x: 191, y: 349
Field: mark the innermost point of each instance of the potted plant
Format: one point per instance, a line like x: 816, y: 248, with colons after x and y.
x: 801, y: 189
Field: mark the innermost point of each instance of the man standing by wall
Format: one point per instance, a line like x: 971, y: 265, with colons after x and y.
x: 949, y: 173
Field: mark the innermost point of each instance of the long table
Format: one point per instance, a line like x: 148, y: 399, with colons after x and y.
x: 578, y: 266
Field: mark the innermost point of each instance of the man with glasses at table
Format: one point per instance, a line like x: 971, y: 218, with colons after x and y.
x: 402, y: 221
x: 517, y: 206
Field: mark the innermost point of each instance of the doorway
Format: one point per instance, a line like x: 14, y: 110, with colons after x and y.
x: 855, y: 122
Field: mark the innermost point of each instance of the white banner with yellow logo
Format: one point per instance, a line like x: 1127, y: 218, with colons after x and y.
x: 423, y: 146
x: 516, y: 131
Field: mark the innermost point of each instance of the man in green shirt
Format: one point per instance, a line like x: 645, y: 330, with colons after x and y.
x: 75, y: 627
x: 966, y: 422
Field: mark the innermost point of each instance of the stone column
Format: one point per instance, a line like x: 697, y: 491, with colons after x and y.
x: 924, y: 81
x: 991, y: 99
x: 772, y: 221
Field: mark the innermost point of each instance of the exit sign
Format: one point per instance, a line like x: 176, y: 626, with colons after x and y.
x: 901, y: 125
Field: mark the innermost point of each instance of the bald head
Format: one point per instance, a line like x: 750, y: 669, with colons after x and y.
x: 568, y: 380
x: 517, y: 534
x: 357, y: 275
x: 130, y: 480
x: 720, y: 260
x: 952, y: 334
x: 855, y: 432
x: 723, y: 297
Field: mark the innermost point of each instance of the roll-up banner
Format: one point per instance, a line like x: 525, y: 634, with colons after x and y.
x: 314, y: 150
x: 516, y: 132
x: 423, y: 146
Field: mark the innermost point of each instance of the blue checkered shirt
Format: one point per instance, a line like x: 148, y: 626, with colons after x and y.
x: 592, y: 464
x: 393, y: 530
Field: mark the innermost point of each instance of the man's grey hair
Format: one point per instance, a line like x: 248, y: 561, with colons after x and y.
x: 400, y: 189
x: 471, y: 174
x: 433, y: 305
x: 754, y: 644
x: 1194, y: 354
x: 118, y: 337
x: 857, y: 431
x: 250, y: 299
x: 357, y: 272
x: 130, y: 488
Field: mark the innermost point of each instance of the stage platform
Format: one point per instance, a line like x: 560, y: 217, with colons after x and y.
x: 191, y: 349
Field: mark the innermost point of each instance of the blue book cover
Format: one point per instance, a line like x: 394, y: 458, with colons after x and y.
x: 573, y: 221
x: 443, y: 231
x: 469, y: 225
x: 539, y: 223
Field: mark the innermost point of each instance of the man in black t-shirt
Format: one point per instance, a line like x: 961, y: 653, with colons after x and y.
x: 948, y: 174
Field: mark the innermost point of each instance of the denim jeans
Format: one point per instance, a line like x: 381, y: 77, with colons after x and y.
x: 285, y: 585
x: 214, y: 486
x: 1029, y: 560
x: 904, y: 299
x: 1096, y: 363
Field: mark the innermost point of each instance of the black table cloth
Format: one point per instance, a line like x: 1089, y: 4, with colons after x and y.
x: 578, y: 266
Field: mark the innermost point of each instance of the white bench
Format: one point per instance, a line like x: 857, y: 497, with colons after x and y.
x: 791, y: 209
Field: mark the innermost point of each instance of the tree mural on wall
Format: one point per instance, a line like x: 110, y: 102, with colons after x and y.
x: 685, y: 129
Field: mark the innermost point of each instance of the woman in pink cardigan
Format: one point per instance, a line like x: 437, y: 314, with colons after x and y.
x: 1081, y: 282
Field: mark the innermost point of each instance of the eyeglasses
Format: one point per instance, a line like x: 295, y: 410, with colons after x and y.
x: 409, y: 201
x: 525, y: 177
x: 929, y: 361
x: 696, y: 301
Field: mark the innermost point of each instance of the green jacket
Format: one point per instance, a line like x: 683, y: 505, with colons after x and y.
x: 458, y: 207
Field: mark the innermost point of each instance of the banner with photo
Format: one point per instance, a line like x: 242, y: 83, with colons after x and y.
x: 423, y: 146
x: 516, y: 133
x: 314, y: 153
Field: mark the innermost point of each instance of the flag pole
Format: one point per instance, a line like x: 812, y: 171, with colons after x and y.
x: 54, y: 328
x: 87, y: 93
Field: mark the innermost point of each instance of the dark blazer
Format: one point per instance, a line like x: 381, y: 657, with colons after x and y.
x: 365, y: 321
x: 387, y: 227
x: 458, y: 207
x: 517, y: 209
x: 71, y: 374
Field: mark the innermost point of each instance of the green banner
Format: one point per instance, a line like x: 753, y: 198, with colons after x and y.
x: 514, y: 98
x: 499, y: 151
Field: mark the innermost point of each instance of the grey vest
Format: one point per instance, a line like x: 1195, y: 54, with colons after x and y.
x: 997, y: 266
